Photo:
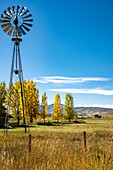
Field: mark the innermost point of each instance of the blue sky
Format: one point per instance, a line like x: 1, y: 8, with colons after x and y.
x: 69, y: 49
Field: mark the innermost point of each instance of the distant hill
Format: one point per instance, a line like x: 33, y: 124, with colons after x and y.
x: 87, y: 111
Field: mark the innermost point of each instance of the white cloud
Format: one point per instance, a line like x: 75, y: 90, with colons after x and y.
x: 39, y: 81
x: 68, y: 80
x: 85, y: 91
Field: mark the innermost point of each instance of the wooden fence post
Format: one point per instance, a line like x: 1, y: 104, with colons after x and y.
x: 29, y: 142
x: 84, y: 133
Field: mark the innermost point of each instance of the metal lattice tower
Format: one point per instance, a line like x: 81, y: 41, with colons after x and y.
x: 16, y: 21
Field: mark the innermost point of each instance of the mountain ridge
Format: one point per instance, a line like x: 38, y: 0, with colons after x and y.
x: 87, y: 111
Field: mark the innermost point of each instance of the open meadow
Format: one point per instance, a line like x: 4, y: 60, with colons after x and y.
x: 59, y: 147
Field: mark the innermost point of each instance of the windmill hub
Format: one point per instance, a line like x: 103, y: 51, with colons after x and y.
x: 15, y: 21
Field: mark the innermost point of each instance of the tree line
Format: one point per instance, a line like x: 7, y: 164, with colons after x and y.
x: 34, y: 109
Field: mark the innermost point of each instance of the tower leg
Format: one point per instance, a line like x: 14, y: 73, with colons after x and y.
x: 16, y: 69
x: 9, y: 93
x: 23, y: 94
x: 22, y: 87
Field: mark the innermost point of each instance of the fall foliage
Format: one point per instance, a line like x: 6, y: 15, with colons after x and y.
x: 69, y: 107
x: 32, y: 100
x: 57, y: 109
x: 2, y: 102
x: 14, y: 102
x: 44, y: 108
x: 110, y: 116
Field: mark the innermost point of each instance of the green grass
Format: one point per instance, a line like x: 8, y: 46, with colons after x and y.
x: 89, y: 125
x: 59, y: 147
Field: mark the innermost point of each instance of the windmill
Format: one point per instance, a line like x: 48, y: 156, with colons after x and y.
x: 16, y: 22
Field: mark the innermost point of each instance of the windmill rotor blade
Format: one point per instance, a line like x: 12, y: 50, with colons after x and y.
x: 18, y: 9
x: 14, y: 10
x: 5, y: 12
x: 22, y: 30
x: 11, y: 12
x: 4, y: 21
x: 25, y: 28
x: 22, y: 10
x: 27, y: 16
x: 29, y: 20
x: 5, y: 17
x: 7, y: 29
x: 10, y: 32
x: 24, y: 13
x: 5, y: 25
x: 30, y: 25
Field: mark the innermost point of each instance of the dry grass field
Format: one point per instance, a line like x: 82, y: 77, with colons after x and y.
x: 59, y: 147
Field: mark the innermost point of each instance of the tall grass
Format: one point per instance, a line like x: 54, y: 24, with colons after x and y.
x: 55, y: 150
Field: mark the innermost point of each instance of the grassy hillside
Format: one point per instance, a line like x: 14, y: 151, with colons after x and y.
x: 89, y: 111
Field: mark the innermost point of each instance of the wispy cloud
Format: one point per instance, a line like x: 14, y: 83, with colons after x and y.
x: 98, y: 91
x: 68, y: 80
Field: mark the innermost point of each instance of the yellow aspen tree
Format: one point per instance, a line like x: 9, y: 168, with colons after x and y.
x: 110, y: 116
x: 3, y: 94
x: 44, y: 108
x: 14, y: 102
x: 69, y: 107
x: 32, y: 100
x: 57, y: 109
